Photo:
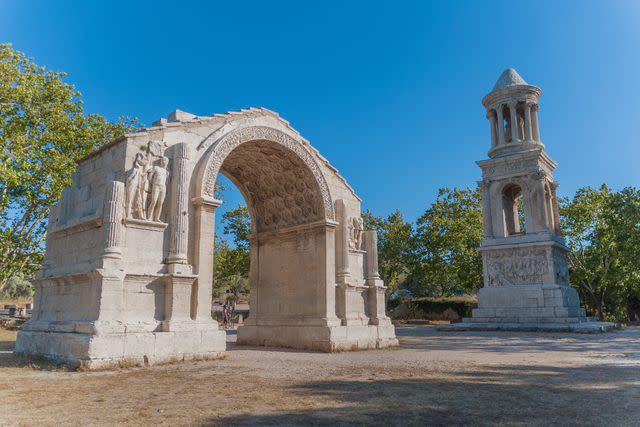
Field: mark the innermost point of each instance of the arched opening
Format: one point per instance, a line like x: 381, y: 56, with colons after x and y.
x: 285, y: 206
x: 231, y: 256
x: 513, y: 210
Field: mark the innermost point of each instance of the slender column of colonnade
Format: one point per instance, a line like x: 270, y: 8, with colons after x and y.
x: 496, y: 121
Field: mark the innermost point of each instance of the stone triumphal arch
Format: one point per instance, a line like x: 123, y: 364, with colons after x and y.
x: 128, y: 269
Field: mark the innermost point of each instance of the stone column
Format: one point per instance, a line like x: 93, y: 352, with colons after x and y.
x: 376, y: 294
x: 499, y: 226
x: 110, y: 274
x: 514, y: 122
x: 370, y: 243
x: 555, y: 208
x: 492, y: 121
x: 112, y: 220
x: 527, y: 121
x: 205, y: 223
x: 486, y: 208
x: 540, y: 204
x: 342, y: 244
x: 501, y: 136
x: 534, y: 124
x: 254, y: 278
x: 178, y: 239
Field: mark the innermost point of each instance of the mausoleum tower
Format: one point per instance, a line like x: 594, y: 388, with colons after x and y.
x: 526, y: 275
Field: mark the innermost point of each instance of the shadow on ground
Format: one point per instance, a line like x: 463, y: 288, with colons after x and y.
x: 514, y: 395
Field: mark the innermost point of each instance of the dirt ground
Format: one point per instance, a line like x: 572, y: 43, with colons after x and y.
x: 435, y: 378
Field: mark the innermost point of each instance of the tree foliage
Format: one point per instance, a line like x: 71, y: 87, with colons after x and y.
x: 237, y: 224
x: 43, y: 132
x: 602, y: 231
x: 232, y: 262
x: 445, y: 245
x: 18, y: 286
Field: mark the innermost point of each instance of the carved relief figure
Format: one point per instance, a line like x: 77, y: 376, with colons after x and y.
x: 519, y: 267
x: 135, y: 184
x: 355, y: 230
x: 155, y: 148
x: 157, y: 177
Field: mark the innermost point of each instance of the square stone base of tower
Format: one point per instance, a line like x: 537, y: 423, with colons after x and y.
x: 530, y: 308
x: 97, y: 351
x: 319, y: 338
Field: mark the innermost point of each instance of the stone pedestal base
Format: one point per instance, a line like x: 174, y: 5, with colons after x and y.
x: 528, y: 304
x: 319, y: 338
x: 586, y: 327
x: 550, y: 308
x: 99, y: 351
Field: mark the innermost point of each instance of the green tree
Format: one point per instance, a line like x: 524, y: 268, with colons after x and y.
x: 232, y: 263
x: 446, y: 242
x: 394, y: 246
x: 43, y: 132
x: 237, y: 223
x: 17, y: 286
x: 602, y: 231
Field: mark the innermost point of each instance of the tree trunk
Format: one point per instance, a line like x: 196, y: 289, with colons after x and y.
x: 599, y: 300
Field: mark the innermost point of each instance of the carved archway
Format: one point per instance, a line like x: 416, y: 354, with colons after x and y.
x: 218, y: 152
x: 292, y: 244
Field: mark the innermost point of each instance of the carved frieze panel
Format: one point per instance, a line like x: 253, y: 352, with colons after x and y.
x: 507, y: 168
x: 516, y: 266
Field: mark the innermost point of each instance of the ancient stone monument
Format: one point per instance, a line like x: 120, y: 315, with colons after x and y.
x: 526, y: 275
x: 128, y: 268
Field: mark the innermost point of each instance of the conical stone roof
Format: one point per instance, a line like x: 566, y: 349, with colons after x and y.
x: 508, y: 78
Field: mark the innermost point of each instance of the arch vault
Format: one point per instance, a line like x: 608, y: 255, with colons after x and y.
x: 128, y: 269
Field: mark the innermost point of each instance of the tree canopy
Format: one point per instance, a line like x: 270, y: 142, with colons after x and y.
x: 602, y: 230
x: 231, y: 263
x: 43, y: 132
x: 446, y: 242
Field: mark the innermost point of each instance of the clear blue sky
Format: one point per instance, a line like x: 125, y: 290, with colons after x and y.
x: 389, y: 92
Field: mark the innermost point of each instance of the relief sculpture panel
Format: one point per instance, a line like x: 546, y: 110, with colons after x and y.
x: 522, y: 266
x: 146, y: 183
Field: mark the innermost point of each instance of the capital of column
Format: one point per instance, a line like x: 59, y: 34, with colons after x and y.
x: 206, y: 201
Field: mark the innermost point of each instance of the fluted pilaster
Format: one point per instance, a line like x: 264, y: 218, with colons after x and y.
x: 112, y: 219
x: 179, y: 206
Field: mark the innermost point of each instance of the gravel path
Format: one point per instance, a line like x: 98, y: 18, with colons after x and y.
x: 434, y: 378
